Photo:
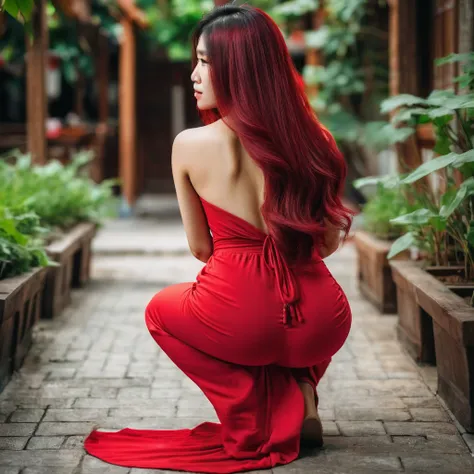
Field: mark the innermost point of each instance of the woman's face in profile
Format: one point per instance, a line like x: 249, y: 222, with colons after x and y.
x: 203, y: 90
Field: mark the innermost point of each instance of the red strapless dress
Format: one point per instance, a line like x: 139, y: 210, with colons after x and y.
x: 246, y: 332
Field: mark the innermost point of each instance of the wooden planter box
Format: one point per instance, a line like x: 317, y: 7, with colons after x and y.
x: 73, y: 254
x: 374, y: 272
x: 20, y: 306
x: 437, y: 324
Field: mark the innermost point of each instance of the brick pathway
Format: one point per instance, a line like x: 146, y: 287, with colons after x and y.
x: 98, y: 366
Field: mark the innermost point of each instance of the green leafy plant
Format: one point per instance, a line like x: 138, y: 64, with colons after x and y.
x: 172, y: 22
x: 21, y: 243
x: 387, y: 201
x: 293, y: 9
x: 60, y: 195
x: 446, y: 222
x: 21, y: 10
x: 354, y: 77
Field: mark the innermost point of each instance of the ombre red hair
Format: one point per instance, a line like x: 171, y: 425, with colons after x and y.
x: 261, y: 97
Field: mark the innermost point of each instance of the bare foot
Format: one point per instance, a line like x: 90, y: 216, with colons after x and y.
x: 312, y: 429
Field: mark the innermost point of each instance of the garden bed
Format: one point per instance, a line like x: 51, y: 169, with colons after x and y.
x: 432, y: 316
x: 374, y: 273
x: 73, y: 254
x: 20, y: 306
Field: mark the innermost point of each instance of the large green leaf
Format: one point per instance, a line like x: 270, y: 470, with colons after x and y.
x: 317, y: 38
x: 392, y: 103
x: 431, y: 166
x: 453, y: 58
x: 440, y: 112
x: 295, y: 7
x: 403, y: 243
x: 466, y: 189
x: 418, y: 217
x: 448, y: 100
x: 464, y: 158
x: 388, y: 181
x: 19, y: 9
x: 11, y: 7
x: 26, y: 8
x: 406, y: 114
x: 443, y: 144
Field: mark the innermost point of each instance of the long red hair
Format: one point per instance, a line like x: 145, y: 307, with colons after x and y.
x: 261, y: 97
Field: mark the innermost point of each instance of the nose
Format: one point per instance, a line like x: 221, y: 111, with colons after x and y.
x: 195, y: 76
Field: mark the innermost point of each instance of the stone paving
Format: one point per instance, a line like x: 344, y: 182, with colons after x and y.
x: 97, y: 366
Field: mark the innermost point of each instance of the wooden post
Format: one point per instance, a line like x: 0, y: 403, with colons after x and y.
x: 80, y: 92
x: 127, y: 114
x: 102, y: 76
x: 466, y: 26
x: 403, y: 69
x: 2, y: 24
x: 101, y: 60
x: 314, y: 56
x: 37, y: 109
x: 403, y: 48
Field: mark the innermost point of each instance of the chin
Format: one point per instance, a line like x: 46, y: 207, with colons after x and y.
x: 205, y: 106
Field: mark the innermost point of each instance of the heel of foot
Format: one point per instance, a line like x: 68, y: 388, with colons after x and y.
x: 312, y: 432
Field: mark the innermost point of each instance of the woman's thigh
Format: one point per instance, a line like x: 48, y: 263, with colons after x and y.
x: 227, y: 333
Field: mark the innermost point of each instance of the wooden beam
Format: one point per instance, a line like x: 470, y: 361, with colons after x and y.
x: 3, y: 24
x: 314, y: 57
x: 127, y: 113
x: 102, y: 76
x: 403, y: 48
x: 404, y: 70
x: 466, y: 26
x: 37, y: 109
x: 79, y: 9
x: 135, y: 14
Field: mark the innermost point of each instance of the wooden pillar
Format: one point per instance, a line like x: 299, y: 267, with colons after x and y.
x: 404, y: 69
x: 127, y: 114
x: 314, y: 57
x: 466, y: 26
x: 2, y: 24
x: 102, y: 76
x: 403, y: 47
x: 37, y: 108
x: 80, y: 92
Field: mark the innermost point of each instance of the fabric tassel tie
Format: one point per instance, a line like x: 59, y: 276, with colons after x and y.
x: 286, y: 283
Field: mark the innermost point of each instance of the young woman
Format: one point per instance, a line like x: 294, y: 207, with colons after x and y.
x: 259, y: 189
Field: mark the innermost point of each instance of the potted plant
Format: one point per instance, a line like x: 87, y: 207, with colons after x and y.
x: 435, y: 296
x: 71, y: 206
x: 374, y: 240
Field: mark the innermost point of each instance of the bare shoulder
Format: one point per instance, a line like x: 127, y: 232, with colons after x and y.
x: 199, y: 141
x: 207, y: 135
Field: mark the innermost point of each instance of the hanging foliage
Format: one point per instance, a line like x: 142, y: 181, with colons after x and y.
x: 21, y: 10
x: 354, y: 78
x: 172, y: 21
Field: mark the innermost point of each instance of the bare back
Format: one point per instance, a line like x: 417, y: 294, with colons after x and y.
x: 225, y: 174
